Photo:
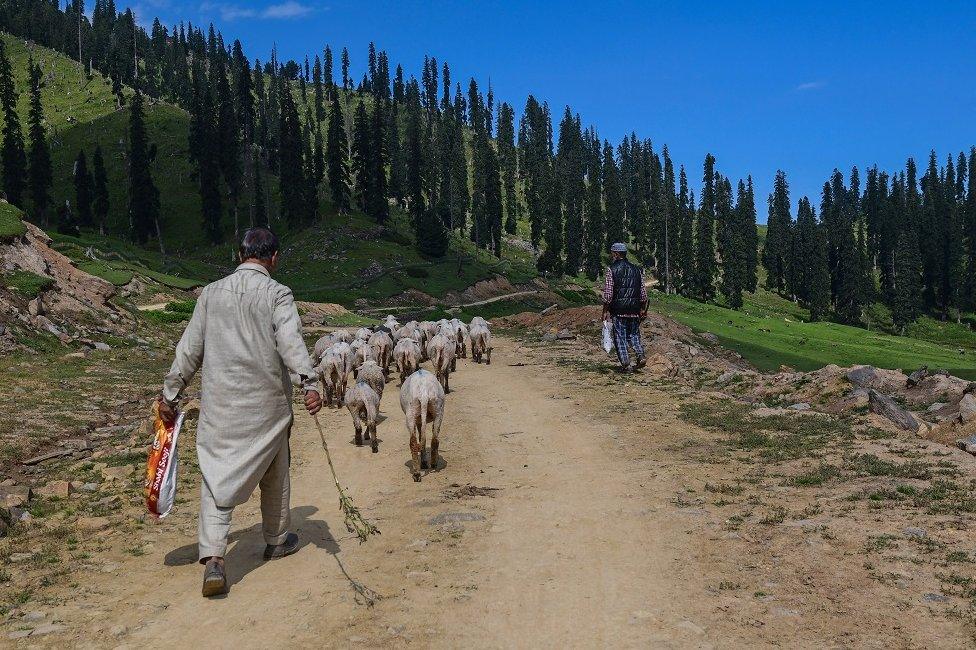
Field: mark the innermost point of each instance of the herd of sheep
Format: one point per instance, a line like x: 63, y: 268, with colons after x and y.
x: 368, y: 356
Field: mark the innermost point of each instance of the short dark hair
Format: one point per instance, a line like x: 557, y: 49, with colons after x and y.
x: 259, y: 243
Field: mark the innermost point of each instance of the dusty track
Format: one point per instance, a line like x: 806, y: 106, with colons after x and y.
x: 587, y: 541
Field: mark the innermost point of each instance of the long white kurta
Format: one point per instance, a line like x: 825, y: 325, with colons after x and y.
x: 246, y: 333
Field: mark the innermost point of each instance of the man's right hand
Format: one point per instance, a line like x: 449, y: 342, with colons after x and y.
x: 606, y: 313
x: 313, y: 402
x: 167, y: 413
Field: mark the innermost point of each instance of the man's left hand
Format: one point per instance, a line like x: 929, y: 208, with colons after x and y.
x: 643, y: 314
x: 313, y: 402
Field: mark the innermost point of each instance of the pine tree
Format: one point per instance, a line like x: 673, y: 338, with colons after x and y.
x: 143, y: 194
x: 415, y: 170
x: 338, y: 163
x: 319, y: 91
x: 734, y: 256
x: 595, y: 228
x: 819, y: 291
x: 39, y: 158
x: 750, y: 237
x: 613, y: 197
x: 432, y: 238
x: 775, y: 254
x: 507, y: 161
x: 13, y: 160
x: 360, y: 152
x: 377, y: 205
x: 570, y: 166
x: 684, y: 248
x: 204, y: 151
x: 346, y: 81
x: 260, y: 209
x: 703, y: 279
x: 228, y: 141
x: 83, y: 191
x: 906, y: 307
x: 100, y: 199
x: 296, y: 208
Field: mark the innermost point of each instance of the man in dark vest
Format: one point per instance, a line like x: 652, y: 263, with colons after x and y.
x: 625, y: 301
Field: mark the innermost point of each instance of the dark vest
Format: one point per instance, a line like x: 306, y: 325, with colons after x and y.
x: 626, y: 288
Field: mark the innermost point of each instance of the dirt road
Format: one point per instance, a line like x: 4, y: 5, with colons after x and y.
x: 557, y: 518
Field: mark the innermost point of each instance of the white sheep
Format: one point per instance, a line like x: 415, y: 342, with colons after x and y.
x: 384, y: 345
x: 481, y: 343
x: 332, y: 372
x: 440, y: 351
x: 364, y: 405
x: 422, y: 401
x: 372, y: 374
x: 406, y: 356
x: 463, y: 336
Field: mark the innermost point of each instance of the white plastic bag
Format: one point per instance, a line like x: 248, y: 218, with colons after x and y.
x: 607, y: 336
x: 162, y: 466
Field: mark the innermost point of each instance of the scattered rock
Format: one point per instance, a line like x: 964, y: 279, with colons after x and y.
x: 709, y: 337
x: 12, y: 496
x: 799, y: 406
x: 20, y: 557
x: 34, y: 617
x: 418, y: 544
x: 102, y: 347
x: 548, y: 310
x: 48, y: 456
x: 937, y: 406
x: 935, y: 598
x: 565, y: 335
x: 60, y: 489
x: 913, y: 532
x: 889, y: 408
x: 118, y: 472
x: 726, y: 377
x: 916, y: 377
x: 967, y: 444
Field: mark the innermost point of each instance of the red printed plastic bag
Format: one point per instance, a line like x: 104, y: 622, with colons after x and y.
x: 162, y: 465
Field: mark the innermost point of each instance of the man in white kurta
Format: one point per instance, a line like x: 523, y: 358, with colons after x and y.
x: 246, y: 334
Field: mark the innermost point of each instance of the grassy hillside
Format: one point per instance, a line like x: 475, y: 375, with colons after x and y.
x: 771, y: 331
x: 341, y: 259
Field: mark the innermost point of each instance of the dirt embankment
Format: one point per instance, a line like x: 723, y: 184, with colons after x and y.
x: 71, y: 304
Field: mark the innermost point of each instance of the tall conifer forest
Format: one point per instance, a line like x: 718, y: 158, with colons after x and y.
x: 461, y: 163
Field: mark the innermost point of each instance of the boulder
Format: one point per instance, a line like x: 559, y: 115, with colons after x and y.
x: 967, y: 408
x: 864, y: 376
x: 565, y: 335
x: 118, y: 472
x: 891, y: 410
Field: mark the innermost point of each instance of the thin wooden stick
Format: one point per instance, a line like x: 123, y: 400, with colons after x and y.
x: 354, y: 520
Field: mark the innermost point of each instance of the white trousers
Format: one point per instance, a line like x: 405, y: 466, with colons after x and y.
x: 275, y: 485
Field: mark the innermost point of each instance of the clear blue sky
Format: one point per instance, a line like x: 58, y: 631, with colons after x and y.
x: 801, y: 86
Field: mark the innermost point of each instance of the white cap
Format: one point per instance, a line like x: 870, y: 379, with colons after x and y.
x: 618, y: 248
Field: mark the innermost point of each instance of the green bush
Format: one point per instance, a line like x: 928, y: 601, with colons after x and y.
x: 417, y: 272
x: 185, y: 307
x: 162, y: 316
x: 26, y: 283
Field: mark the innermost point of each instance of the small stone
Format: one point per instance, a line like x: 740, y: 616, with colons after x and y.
x: 418, y: 575
x: 863, y: 376
x: 915, y: 533
x: 935, y: 598
x: 418, y: 544
x: 937, y: 406
x: 118, y: 630
x: 34, y: 617
x: 799, y: 406
x: 102, y: 347
x: 19, y: 634
x: 89, y: 487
